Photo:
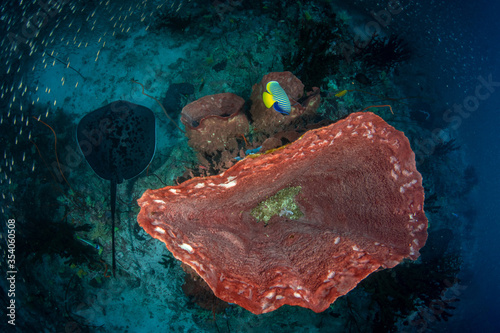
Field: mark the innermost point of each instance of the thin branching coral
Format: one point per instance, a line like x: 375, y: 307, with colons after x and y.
x: 384, y: 53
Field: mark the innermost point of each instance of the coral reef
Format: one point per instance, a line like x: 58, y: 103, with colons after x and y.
x: 215, y: 123
x: 195, y: 50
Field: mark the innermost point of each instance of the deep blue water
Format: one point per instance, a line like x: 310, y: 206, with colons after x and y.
x: 83, y: 56
x: 480, y: 304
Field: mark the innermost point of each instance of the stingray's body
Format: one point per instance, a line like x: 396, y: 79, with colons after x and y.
x: 118, y: 141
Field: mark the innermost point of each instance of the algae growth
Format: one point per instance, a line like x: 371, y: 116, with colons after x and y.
x: 282, y: 204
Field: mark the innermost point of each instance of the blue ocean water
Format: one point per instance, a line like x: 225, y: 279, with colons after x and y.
x: 480, y: 304
x: 435, y: 62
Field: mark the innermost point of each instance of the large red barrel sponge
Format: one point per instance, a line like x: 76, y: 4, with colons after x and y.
x: 301, y: 225
x: 215, y: 122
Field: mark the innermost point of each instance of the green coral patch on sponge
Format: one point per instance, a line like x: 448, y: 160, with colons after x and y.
x: 281, y: 204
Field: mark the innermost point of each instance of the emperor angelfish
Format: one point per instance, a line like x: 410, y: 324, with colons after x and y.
x: 276, y: 97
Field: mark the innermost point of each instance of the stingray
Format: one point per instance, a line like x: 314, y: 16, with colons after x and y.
x: 118, y: 142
